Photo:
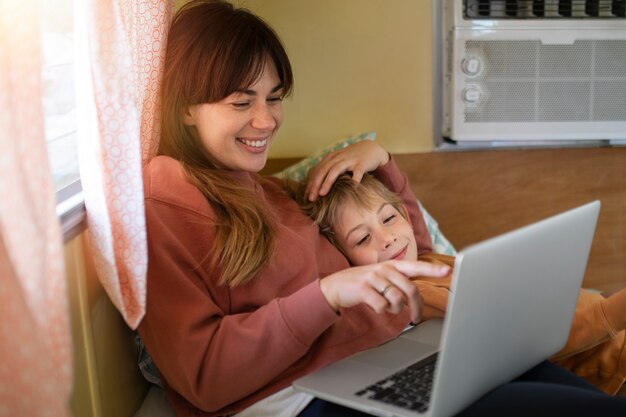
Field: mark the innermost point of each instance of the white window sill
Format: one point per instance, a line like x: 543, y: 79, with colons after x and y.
x: 71, y: 211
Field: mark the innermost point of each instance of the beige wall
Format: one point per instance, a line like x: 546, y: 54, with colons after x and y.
x: 359, y: 65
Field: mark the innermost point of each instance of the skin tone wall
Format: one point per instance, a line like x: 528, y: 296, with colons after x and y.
x: 359, y: 65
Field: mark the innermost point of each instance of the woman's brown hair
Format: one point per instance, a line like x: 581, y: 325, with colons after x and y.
x: 214, y: 50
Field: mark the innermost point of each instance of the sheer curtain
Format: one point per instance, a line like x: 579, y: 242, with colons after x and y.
x: 120, y: 47
x: 35, y: 343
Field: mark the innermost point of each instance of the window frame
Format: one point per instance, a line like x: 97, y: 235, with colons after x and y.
x: 71, y: 211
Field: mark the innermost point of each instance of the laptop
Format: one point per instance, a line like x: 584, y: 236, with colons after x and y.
x: 511, y: 306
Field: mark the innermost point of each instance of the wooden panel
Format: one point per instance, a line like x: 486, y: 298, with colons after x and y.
x: 475, y: 195
x: 107, y: 381
x: 85, y: 400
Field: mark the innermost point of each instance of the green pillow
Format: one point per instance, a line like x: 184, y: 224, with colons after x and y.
x: 440, y: 243
x: 299, y: 171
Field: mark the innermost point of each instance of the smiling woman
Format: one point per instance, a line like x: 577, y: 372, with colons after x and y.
x: 222, y: 113
x: 229, y: 248
x: 237, y: 131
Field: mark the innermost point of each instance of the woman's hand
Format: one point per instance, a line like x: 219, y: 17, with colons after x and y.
x: 385, y: 286
x: 359, y: 158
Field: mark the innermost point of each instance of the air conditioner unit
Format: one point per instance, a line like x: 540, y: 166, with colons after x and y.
x: 534, y: 70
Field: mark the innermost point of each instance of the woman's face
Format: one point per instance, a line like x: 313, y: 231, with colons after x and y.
x: 369, y: 236
x: 238, y: 130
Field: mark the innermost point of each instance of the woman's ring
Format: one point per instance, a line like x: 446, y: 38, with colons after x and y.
x: 387, y: 288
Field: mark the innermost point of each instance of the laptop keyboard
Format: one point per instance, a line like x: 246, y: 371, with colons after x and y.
x: 408, y: 388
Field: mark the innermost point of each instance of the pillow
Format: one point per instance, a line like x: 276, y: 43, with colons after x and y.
x: 299, y: 171
x: 440, y: 242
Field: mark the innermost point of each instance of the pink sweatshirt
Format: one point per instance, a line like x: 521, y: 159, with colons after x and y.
x: 221, y: 349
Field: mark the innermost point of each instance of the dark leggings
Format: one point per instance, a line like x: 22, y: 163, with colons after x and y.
x: 546, y: 390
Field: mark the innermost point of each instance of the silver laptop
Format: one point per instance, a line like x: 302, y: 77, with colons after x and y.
x: 511, y: 306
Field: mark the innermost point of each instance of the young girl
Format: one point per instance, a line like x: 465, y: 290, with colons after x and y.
x: 244, y: 295
x: 368, y: 223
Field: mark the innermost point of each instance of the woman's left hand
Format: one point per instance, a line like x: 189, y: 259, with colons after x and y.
x: 359, y: 158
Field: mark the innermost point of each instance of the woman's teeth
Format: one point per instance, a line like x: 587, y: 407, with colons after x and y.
x: 254, y: 143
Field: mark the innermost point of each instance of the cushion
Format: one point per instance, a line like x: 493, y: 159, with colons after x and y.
x: 440, y: 243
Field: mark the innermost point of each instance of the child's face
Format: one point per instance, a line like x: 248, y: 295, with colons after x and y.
x: 372, y: 235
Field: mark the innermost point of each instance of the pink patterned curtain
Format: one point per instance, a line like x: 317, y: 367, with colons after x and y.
x: 35, y: 343
x: 120, y: 49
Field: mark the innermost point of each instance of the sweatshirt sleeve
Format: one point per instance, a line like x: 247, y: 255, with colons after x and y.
x: 596, y: 320
x: 434, y: 291
x: 203, y: 352
x: 390, y: 175
x: 614, y: 310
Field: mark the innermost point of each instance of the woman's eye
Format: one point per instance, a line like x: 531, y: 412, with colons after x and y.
x: 241, y: 104
x: 362, y: 240
x: 274, y: 100
x: 389, y: 219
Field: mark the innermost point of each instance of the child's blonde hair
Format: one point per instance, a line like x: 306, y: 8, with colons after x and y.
x: 326, y: 210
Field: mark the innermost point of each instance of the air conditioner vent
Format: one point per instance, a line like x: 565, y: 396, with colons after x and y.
x: 526, y: 81
x: 542, y: 70
x: 545, y: 9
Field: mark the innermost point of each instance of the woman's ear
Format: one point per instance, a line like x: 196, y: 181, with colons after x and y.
x: 188, y: 116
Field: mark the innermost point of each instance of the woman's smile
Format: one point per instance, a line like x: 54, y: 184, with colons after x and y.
x: 254, y: 145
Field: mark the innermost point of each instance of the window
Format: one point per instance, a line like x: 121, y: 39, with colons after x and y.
x: 59, y: 103
x: 58, y: 85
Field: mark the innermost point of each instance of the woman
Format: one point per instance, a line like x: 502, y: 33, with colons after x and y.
x: 244, y: 295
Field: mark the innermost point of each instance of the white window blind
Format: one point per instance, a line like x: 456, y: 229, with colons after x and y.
x: 59, y: 100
